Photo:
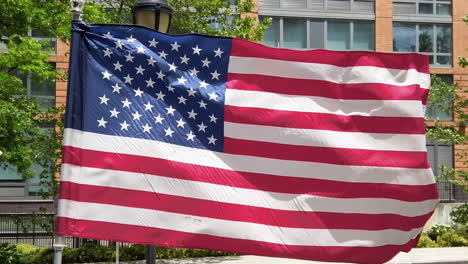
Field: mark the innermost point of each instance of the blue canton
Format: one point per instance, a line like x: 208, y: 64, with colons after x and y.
x: 140, y: 83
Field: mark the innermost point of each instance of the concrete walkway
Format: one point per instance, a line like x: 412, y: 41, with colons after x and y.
x: 457, y: 255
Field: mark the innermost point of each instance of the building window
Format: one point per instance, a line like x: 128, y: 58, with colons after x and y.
x: 434, y: 40
x: 434, y: 112
x: 422, y: 7
x: 50, y: 42
x: 361, y: 6
x: 303, y: 33
x: 441, y: 154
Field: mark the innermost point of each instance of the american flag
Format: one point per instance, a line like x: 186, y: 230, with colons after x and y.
x: 207, y: 142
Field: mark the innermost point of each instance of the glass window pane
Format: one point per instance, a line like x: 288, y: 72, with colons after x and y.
x: 294, y: 33
x: 444, y: 60
x: 45, y: 88
x: 404, y: 37
x: 443, y: 9
x: 338, y: 4
x: 426, y: 8
x: 445, y: 156
x: 431, y: 59
x: 272, y: 34
x: 433, y: 111
x: 404, y: 8
x: 430, y: 155
x: 9, y: 173
x: 444, y: 39
x: 338, y: 35
x: 317, y: 32
x: 363, y: 36
x: 426, y: 38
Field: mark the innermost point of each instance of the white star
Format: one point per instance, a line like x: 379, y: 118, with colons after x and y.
x: 196, y: 50
x: 161, y: 75
x: 108, y: 35
x: 203, y: 84
x: 160, y: 96
x: 215, y: 75
x: 190, y: 136
x: 158, y: 119
x: 212, y: 140
x: 181, y: 99
x: 218, y: 52
x: 169, y: 132
x: 150, y: 83
x: 146, y: 128
x: 170, y: 88
x: 172, y: 67
x: 136, y: 115
x: 119, y: 44
x: 149, y: 106
x: 162, y: 54
x: 213, y: 96
x: 117, y: 66
x: 128, y: 79
x: 181, y: 123
x: 184, y: 59
x: 194, y: 71
x: 191, y: 92
x: 139, y: 70
x: 213, y: 118
x: 151, y: 61
x: 138, y: 92
x: 126, y: 103
x: 175, y: 46
x: 206, y: 62
x: 102, y: 122
x: 202, y: 127
x: 107, y: 53
x: 106, y: 75
x: 182, y: 80
x: 129, y: 57
x: 124, y: 126
x: 104, y: 99
x: 114, y: 113
x: 140, y: 49
x: 153, y: 43
x: 192, y: 114
x: 116, y: 88
x: 131, y: 39
x: 170, y: 110
x: 202, y: 104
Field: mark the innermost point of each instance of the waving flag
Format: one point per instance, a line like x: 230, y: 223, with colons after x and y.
x: 220, y: 143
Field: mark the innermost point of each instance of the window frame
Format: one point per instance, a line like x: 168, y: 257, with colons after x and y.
x: 434, y: 6
x: 307, y: 20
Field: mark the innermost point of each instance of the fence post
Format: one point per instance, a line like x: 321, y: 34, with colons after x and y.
x: 58, y: 248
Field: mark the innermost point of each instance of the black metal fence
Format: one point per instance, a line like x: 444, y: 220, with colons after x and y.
x: 449, y: 192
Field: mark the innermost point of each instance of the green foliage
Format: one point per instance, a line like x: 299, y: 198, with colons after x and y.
x: 459, y: 215
x: 426, y: 242
x: 9, y: 254
x: 452, y: 239
x: 438, y: 230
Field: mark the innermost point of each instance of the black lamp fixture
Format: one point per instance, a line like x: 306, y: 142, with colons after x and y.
x: 155, y: 14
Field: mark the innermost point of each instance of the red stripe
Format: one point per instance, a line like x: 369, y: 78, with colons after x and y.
x: 170, y: 238
x: 339, y: 156
x: 247, y: 180
x: 236, y: 212
x: 291, y: 119
x: 403, y: 61
x: 358, y: 91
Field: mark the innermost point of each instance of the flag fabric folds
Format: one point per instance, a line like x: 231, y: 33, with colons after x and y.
x: 220, y: 143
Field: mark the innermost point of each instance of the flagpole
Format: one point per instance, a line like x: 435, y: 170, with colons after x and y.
x: 59, y: 240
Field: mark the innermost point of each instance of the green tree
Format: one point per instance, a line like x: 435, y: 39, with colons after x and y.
x: 23, y: 140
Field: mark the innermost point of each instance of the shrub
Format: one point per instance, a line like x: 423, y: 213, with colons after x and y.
x: 451, y: 239
x: 132, y: 252
x: 426, y: 242
x: 9, y: 254
x: 459, y: 214
x: 438, y: 230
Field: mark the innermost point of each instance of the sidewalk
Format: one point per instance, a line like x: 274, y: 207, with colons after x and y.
x: 456, y: 255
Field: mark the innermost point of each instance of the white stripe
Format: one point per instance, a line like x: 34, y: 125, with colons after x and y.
x: 326, y: 138
x: 250, y: 197
x: 232, y: 229
x: 311, y: 104
x: 156, y: 149
x: 326, y: 72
